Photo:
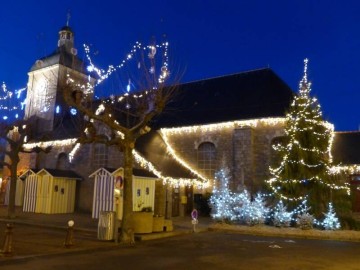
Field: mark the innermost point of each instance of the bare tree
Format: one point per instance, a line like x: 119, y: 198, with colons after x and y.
x: 127, y: 117
x: 15, y: 136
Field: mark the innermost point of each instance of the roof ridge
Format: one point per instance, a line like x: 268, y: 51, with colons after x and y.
x: 348, y: 132
x: 227, y: 75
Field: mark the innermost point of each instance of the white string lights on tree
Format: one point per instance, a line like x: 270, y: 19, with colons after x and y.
x: 331, y: 221
x: 138, y: 47
x: 222, y: 199
x: 11, y: 106
x: 308, y: 147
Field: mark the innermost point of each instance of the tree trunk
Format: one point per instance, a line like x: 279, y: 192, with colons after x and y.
x: 127, y: 232
x: 12, y: 194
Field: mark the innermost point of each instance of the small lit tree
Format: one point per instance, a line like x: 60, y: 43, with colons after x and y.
x: 304, y: 219
x: 331, y: 222
x: 281, y: 217
x: 242, y: 204
x: 257, y: 211
x: 222, y: 199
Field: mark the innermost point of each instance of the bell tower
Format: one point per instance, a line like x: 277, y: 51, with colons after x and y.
x: 47, y: 79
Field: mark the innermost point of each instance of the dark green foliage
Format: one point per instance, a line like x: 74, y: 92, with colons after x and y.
x: 303, y: 171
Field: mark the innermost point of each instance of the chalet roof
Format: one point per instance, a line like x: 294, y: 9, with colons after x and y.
x: 27, y: 173
x: 62, y: 173
x: 246, y: 95
x: 152, y: 147
x: 346, y: 148
x: 143, y: 173
x: 62, y: 57
x: 136, y: 172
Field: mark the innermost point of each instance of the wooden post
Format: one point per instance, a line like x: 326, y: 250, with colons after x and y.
x: 7, y: 249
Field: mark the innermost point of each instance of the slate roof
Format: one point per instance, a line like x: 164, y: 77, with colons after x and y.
x: 152, y: 147
x: 246, y: 95
x: 136, y: 172
x: 62, y: 57
x: 62, y: 173
x: 346, y: 148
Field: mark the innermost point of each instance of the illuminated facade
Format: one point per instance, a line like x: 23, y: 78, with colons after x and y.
x: 231, y: 119
x: 47, y: 78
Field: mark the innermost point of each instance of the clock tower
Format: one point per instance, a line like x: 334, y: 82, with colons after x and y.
x: 47, y: 79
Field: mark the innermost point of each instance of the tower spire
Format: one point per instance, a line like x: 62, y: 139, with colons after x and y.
x: 68, y: 16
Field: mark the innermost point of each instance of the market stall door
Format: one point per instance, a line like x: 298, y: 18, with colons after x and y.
x: 63, y: 195
x: 143, y: 193
x: 104, y: 198
x: 43, y: 203
x: 31, y: 183
x: 19, y: 196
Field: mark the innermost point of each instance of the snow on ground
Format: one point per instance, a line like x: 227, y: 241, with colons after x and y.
x: 343, y: 235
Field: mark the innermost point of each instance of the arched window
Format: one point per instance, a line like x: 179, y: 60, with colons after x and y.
x: 62, y: 162
x: 100, y: 155
x: 206, y: 159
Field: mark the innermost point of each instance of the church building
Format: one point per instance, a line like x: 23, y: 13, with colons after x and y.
x: 225, y: 121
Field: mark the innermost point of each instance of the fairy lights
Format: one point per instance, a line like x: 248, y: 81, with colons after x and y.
x: 331, y: 221
x: 167, y: 132
x: 176, y: 182
x: 56, y: 143
x: 138, y: 47
x: 308, y: 147
x: 86, y: 88
x: 222, y: 200
x: 348, y: 169
x: 172, y: 152
x: 225, y: 125
x: 73, y: 152
x: 10, y: 106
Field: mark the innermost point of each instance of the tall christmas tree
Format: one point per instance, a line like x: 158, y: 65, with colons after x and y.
x: 305, y: 152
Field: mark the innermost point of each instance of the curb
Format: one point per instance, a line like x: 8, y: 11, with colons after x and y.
x: 155, y: 236
x: 57, y: 227
x: 350, y: 236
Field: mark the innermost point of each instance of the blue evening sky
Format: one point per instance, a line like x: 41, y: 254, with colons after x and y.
x: 207, y: 39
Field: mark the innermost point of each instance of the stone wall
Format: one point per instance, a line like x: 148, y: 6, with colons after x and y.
x: 246, y: 151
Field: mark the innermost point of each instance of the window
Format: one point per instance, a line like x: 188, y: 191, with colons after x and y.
x: 99, y: 155
x: 206, y: 157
